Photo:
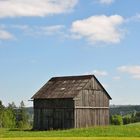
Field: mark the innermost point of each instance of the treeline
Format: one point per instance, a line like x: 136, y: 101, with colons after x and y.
x: 14, y: 117
x: 123, y: 120
x: 124, y: 109
x: 124, y: 114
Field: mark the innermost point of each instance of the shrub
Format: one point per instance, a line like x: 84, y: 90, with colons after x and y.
x: 126, y: 120
x: 116, y: 120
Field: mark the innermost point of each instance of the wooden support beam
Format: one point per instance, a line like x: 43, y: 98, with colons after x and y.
x: 89, y: 107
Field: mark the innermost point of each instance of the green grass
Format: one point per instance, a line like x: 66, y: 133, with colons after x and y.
x: 110, y: 131
x: 134, y: 124
x: 73, y: 138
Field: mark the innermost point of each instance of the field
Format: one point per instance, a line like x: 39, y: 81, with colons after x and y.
x: 72, y: 138
x: 127, y: 132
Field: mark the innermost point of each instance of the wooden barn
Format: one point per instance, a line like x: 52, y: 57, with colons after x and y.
x: 71, y: 102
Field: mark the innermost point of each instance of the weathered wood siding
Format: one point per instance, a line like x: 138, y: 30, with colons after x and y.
x: 71, y: 103
x: 91, y: 106
x: 53, y: 114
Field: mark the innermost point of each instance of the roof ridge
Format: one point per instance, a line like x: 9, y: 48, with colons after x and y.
x: 73, y: 77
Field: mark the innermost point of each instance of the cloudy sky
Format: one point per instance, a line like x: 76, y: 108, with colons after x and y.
x: 44, y: 38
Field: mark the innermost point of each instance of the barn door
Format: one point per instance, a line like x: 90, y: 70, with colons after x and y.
x: 58, y: 119
x: 49, y: 119
x: 69, y: 118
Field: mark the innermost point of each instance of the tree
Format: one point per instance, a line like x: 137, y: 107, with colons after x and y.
x: 1, y: 105
x: 137, y: 117
x: 126, y: 120
x: 11, y: 116
x: 137, y: 114
x: 116, y: 120
x: 1, y: 113
x: 12, y: 106
x: 22, y: 116
x: 8, y: 118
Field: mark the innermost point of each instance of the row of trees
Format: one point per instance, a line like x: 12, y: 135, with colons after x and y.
x: 12, y: 116
x: 123, y: 120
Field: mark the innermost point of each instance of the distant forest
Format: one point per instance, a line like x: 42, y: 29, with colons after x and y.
x: 124, y: 109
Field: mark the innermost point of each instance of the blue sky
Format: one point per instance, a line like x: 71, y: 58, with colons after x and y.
x: 40, y: 39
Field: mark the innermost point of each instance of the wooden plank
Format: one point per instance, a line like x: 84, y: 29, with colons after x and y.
x: 90, y: 107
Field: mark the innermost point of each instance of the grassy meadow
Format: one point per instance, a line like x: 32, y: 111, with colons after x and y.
x: 125, y: 132
x: 74, y: 138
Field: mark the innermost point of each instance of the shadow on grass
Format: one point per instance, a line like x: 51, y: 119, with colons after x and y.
x: 29, y: 129
x: 21, y: 129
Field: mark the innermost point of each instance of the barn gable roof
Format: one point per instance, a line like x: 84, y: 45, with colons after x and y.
x: 65, y: 87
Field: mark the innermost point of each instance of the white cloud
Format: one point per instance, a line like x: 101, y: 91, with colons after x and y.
x: 134, y: 71
x: 32, y: 31
x: 137, y: 16
x: 51, y: 30
x: 130, y: 69
x: 136, y: 76
x: 21, y: 27
x: 100, y: 28
x: 17, y: 8
x: 133, y: 18
x: 106, y: 1
x: 98, y: 73
x: 40, y: 30
x: 5, y: 35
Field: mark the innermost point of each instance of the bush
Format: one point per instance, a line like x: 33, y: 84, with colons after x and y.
x: 126, y: 120
x: 8, y: 119
x: 12, y: 117
x: 116, y: 120
x: 135, y: 117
